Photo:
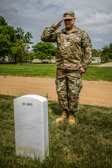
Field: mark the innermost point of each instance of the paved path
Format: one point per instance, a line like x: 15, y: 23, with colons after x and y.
x: 109, y: 64
x: 97, y: 93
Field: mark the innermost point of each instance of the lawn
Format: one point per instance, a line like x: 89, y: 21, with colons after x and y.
x: 33, y: 70
x: 88, y: 144
x: 49, y: 71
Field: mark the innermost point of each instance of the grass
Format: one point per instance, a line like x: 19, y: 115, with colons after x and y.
x: 94, y: 73
x: 88, y: 144
x: 49, y: 71
x: 33, y: 70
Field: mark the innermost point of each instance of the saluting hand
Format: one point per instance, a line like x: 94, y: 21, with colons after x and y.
x: 57, y: 25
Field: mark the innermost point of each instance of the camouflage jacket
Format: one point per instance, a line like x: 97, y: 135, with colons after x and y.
x: 70, y: 46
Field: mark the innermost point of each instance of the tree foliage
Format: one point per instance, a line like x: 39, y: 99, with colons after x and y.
x: 95, y: 53
x: 2, y: 21
x: 19, y: 51
x: 44, y: 50
x: 13, y: 42
x: 7, y: 37
x: 106, y: 53
x: 24, y: 37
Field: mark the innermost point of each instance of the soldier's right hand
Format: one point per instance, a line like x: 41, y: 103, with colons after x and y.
x: 57, y: 25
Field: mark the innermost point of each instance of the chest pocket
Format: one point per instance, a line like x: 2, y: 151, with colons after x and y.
x: 69, y: 39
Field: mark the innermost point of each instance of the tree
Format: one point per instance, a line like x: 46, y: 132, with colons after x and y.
x: 24, y: 37
x: 106, y: 53
x: 2, y: 21
x: 10, y: 38
x: 95, y: 53
x: 110, y: 51
x: 20, y: 51
x: 30, y: 56
x: 21, y: 46
x: 7, y: 37
x: 44, y: 50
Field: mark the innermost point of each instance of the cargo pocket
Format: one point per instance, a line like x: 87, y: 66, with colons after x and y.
x: 79, y: 84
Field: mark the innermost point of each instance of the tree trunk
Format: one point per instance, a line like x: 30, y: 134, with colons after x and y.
x: 15, y: 59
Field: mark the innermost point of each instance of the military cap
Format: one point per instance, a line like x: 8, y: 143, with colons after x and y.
x: 68, y: 15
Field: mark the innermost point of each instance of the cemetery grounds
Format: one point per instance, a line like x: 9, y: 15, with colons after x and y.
x: 88, y: 144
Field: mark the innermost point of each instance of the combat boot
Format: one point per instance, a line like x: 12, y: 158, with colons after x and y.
x: 71, y: 118
x: 62, y: 117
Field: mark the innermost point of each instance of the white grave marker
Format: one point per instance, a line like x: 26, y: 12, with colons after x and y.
x: 31, y: 126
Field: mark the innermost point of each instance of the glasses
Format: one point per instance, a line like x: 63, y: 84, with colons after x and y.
x: 67, y: 20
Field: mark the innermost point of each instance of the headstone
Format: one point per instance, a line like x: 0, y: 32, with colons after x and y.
x: 31, y: 126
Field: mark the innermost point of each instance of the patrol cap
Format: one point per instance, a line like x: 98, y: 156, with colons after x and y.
x: 68, y: 15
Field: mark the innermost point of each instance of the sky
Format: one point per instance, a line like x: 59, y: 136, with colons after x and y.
x: 93, y: 16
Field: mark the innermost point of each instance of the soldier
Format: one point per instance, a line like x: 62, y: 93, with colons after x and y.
x: 70, y: 62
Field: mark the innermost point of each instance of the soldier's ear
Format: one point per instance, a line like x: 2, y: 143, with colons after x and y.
x: 74, y: 20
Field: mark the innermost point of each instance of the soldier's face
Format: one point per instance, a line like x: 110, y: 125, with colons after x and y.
x: 69, y: 23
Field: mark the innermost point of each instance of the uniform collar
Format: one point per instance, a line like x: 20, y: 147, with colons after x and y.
x: 71, y: 31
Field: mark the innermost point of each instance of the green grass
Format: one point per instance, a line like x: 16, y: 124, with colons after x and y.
x: 49, y: 71
x: 94, y: 73
x: 88, y: 144
x: 33, y: 70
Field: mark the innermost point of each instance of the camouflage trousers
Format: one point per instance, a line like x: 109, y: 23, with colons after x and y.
x: 68, y: 87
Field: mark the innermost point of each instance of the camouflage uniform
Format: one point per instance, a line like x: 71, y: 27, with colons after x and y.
x: 69, y: 61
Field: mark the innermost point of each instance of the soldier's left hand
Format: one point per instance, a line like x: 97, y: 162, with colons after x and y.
x: 82, y: 70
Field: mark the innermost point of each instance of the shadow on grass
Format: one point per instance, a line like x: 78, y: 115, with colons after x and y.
x: 7, y: 63
x: 7, y: 97
x: 54, y: 106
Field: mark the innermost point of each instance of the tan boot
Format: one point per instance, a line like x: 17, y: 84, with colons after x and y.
x: 62, y: 117
x: 71, y: 119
